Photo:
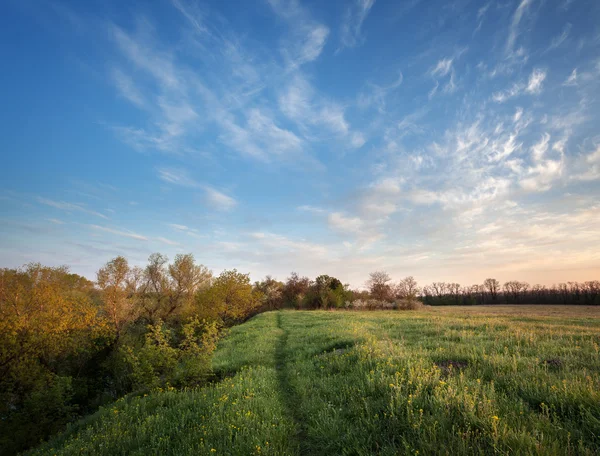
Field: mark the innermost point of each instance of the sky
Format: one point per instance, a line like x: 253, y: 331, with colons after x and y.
x: 447, y: 140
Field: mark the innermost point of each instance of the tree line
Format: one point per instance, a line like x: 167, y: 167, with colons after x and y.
x: 69, y: 345
x: 511, y: 292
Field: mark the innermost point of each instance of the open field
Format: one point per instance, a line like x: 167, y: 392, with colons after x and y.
x: 453, y: 380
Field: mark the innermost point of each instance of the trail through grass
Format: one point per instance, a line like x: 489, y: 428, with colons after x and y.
x: 440, y: 381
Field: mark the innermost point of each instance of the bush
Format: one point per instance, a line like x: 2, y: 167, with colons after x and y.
x: 168, y: 359
x: 374, y: 304
x: 409, y: 304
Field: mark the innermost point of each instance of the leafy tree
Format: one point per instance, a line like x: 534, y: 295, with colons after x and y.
x: 49, y: 330
x: 295, y: 289
x: 170, y: 289
x: 116, y: 281
x: 230, y: 298
x: 272, y: 291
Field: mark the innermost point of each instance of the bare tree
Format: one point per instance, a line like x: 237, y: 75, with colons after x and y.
x: 492, y: 286
x: 407, y: 288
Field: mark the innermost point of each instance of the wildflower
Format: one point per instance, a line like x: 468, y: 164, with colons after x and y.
x: 212, y: 450
x: 495, y: 418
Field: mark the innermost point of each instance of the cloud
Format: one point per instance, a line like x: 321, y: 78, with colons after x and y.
x: 127, y: 88
x: 218, y: 200
x: 69, y: 207
x: 276, y: 139
x: 355, y: 15
x: 557, y: 41
x: 358, y: 140
x: 539, y: 149
x: 186, y: 229
x: 177, y: 227
x: 312, y: 209
x: 192, y: 14
x: 442, y: 68
x: 572, y: 79
x: 317, y: 116
x: 534, y: 86
x: 313, y: 44
x: 308, y: 37
x: 177, y: 176
x: 127, y: 234
x: 340, y: 222
x: 513, y: 31
x: 166, y: 241
x: 377, y: 95
x: 541, y: 175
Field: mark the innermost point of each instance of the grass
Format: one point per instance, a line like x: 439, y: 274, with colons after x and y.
x: 480, y: 380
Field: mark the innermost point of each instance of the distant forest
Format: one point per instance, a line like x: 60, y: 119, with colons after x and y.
x: 69, y: 345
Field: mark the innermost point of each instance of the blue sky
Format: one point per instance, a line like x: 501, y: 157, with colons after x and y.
x: 452, y: 141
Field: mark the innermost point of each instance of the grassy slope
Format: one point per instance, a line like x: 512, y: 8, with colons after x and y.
x: 364, y: 383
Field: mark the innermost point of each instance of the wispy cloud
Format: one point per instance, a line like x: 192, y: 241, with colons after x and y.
x: 443, y: 67
x: 313, y: 113
x: 177, y: 176
x: 166, y: 241
x: 377, y: 95
x: 354, y: 17
x: 218, y: 200
x: 559, y: 40
x: 127, y: 88
x: 178, y: 227
x: 534, y: 86
x: 307, y: 36
x: 123, y: 233
x: 69, y: 207
x: 513, y: 31
x: 572, y: 79
x: 536, y: 80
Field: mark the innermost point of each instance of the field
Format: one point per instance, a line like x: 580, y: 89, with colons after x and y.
x: 479, y: 380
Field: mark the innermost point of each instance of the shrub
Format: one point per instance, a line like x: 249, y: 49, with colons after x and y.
x: 408, y: 304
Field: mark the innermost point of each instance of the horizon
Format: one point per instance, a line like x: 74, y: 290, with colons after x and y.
x: 449, y: 142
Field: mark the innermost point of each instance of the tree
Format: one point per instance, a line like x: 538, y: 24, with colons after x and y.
x: 272, y: 291
x: 49, y: 330
x: 514, y: 289
x: 407, y: 289
x: 114, y: 281
x: 230, y: 297
x: 379, y: 286
x: 186, y: 278
x: 325, y: 292
x: 295, y: 289
x: 169, y: 289
x: 492, y: 286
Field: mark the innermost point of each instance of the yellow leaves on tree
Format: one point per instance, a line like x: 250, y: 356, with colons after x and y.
x: 44, y: 313
x: 231, y: 297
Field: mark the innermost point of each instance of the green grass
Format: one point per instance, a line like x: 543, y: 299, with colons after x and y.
x: 485, y: 380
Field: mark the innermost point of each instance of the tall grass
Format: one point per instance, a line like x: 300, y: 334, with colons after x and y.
x: 427, y: 382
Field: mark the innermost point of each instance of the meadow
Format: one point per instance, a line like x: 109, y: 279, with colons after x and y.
x: 444, y: 380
